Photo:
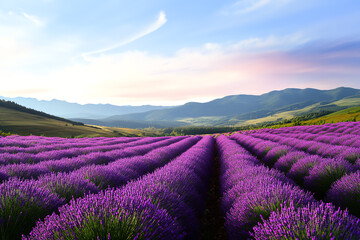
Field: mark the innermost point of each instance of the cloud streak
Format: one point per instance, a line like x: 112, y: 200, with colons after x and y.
x: 249, y: 6
x: 33, y: 19
x: 161, y: 20
x: 245, y: 6
x: 195, y: 74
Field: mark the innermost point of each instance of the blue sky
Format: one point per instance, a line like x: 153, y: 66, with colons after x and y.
x: 171, y: 52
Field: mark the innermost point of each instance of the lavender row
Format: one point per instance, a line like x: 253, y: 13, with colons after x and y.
x: 41, y: 147
x: 22, y: 197
x: 161, y: 205
x: 33, y: 141
x: 23, y: 157
x: 345, y: 193
x: 329, y: 178
x: 27, y: 171
x: 340, y: 139
x: 119, y: 172
x: 351, y: 154
x: 317, y: 220
x: 312, y: 172
x: 7, y: 158
x: 115, y: 174
x: 336, y: 128
x: 332, y: 138
x: 251, y: 191
x: 264, y: 204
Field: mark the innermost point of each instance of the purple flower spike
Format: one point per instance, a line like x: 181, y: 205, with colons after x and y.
x: 302, y: 168
x: 101, y: 176
x: 67, y: 186
x: 22, y: 203
x: 345, y: 193
x: 315, y: 221
x: 274, y: 154
x: 285, y: 162
x: 325, y: 173
x: 108, y: 214
x: 3, y: 176
x: 350, y: 154
x: 254, y: 206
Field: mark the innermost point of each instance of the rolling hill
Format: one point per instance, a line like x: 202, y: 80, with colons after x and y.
x: 20, y: 120
x: 74, y: 110
x: 240, y: 110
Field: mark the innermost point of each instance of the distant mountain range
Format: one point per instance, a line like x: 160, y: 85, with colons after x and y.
x: 74, y: 110
x: 239, y: 110
x: 18, y: 119
x: 236, y: 110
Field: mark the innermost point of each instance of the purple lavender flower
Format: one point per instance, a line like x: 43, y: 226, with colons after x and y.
x: 145, y: 209
x: 166, y: 198
x: 26, y: 171
x: 285, y: 162
x: 322, y: 175
x: 22, y: 203
x: 67, y: 186
x: 101, y: 176
x: 275, y: 153
x: 262, y: 148
x: 345, y: 193
x: 3, y: 176
x: 253, y: 206
x: 314, y: 221
x: 248, y: 180
x: 302, y: 167
x: 108, y: 215
x: 350, y: 154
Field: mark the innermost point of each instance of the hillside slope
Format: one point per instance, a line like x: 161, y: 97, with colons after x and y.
x: 74, y: 110
x: 23, y: 121
x: 246, y: 109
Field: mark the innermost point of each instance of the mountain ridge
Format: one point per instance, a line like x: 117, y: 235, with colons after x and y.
x: 17, y: 119
x: 232, y: 110
x: 236, y: 105
x: 66, y: 109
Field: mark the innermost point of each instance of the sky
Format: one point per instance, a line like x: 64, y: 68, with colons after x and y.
x: 169, y: 52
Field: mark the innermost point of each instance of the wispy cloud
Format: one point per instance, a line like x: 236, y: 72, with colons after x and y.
x: 23, y: 15
x: 161, y: 20
x: 244, y: 6
x: 196, y: 74
x: 270, y: 43
x: 247, y: 6
x: 33, y: 19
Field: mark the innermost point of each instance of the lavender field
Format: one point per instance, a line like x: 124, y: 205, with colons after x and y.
x: 288, y: 183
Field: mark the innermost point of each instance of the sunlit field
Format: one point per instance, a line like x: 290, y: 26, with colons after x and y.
x: 289, y: 183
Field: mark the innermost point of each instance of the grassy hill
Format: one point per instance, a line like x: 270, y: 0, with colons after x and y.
x: 23, y: 121
x: 242, y: 110
x: 350, y: 114
x: 318, y: 107
x: 314, y: 118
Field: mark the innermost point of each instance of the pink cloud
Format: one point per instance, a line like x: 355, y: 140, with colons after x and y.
x: 197, y: 75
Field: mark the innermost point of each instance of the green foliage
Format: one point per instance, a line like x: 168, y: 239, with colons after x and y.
x: 15, y: 106
x: 195, y: 130
x: 4, y: 134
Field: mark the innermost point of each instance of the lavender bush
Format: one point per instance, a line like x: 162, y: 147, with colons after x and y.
x: 22, y: 203
x: 285, y: 162
x: 161, y: 205
x: 67, y: 186
x: 325, y: 173
x: 345, y: 193
x: 108, y: 215
x: 302, y: 168
x: 314, y: 221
